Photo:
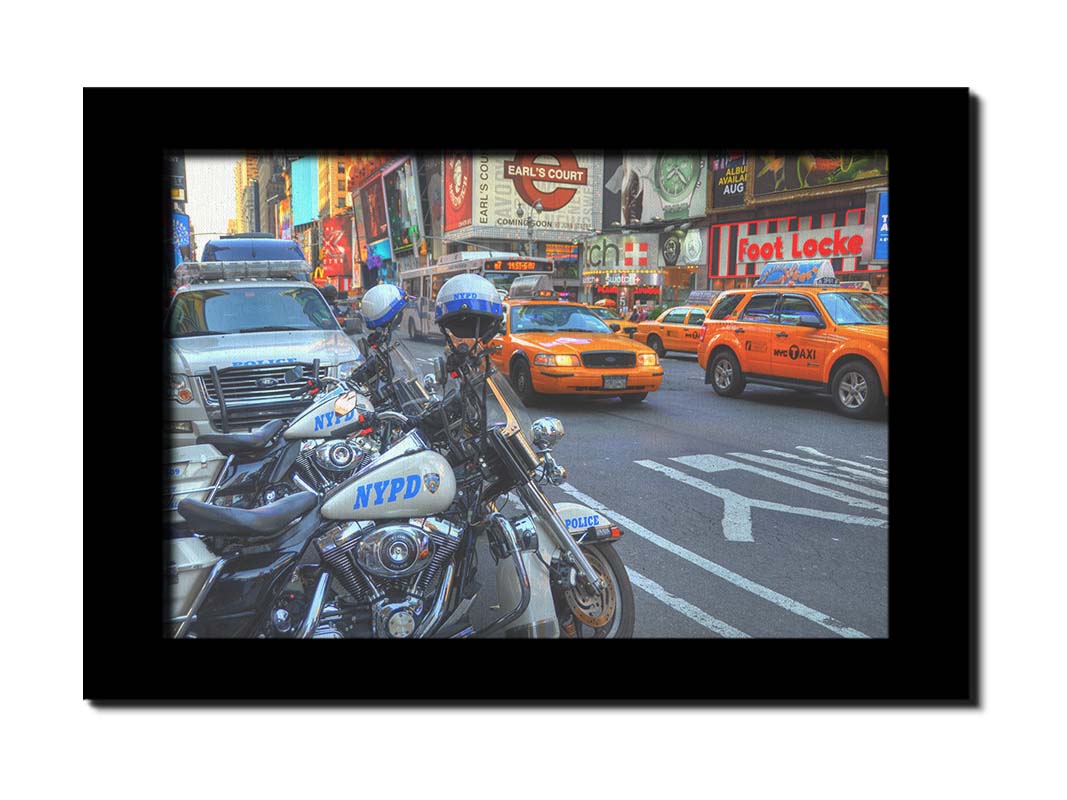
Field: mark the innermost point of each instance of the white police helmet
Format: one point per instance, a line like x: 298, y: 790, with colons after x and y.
x: 468, y: 306
x: 382, y: 304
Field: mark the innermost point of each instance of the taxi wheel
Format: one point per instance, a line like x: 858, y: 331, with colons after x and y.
x: 656, y: 344
x: 523, y: 383
x: 633, y: 398
x: 725, y: 374
x: 856, y: 391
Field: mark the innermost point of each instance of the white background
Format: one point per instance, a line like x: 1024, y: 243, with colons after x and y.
x: 56, y: 745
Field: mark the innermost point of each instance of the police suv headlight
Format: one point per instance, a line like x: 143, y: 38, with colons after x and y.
x: 549, y: 360
x: 176, y: 387
x: 344, y: 369
x: 647, y: 359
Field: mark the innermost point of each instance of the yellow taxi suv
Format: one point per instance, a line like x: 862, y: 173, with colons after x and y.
x: 678, y: 328
x: 798, y: 329
x: 552, y: 347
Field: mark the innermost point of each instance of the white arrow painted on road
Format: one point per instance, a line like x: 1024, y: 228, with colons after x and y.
x: 737, y: 515
x: 711, y: 463
x: 718, y: 570
x: 861, y: 474
x: 815, y: 452
x: 808, y: 472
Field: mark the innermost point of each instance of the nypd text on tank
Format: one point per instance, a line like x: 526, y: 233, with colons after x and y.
x: 330, y: 419
x: 410, y: 484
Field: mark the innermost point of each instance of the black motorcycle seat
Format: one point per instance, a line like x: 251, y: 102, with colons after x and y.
x: 265, y: 521
x: 234, y: 443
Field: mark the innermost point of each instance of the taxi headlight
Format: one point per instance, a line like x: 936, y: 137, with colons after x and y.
x: 647, y: 359
x: 344, y: 369
x: 177, y: 388
x: 550, y: 360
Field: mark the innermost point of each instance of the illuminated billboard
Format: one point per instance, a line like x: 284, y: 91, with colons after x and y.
x: 305, y: 190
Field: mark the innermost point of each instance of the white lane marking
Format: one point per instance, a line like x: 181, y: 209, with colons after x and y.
x: 698, y: 615
x: 771, y: 596
x: 737, y: 514
x: 710, y: 463
x: 862, y: 474
x: 815, y: 452
x: 817, y: 475
x: 874, y: 458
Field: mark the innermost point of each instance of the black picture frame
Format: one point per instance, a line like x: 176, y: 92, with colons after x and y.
x: 930, y: 656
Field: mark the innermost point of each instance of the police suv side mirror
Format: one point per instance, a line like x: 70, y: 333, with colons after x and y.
x: 353, y: 325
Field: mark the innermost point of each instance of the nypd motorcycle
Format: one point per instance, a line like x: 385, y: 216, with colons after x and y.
x: 393, y: 551
x: 321, y: 446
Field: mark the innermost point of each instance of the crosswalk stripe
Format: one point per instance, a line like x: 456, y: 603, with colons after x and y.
x: 711, y: 463
x: 771, y: 596
x: 858, y: 473
x: 808, y: 472
x: 815, y: 452
x: 698, y: 615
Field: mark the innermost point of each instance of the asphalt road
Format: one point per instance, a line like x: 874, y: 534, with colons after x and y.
x: 760, y: 516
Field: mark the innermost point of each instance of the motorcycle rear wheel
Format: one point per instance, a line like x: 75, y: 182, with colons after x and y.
x: 608, y: 565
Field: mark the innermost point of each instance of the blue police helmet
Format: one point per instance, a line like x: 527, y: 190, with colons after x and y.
x: 468, y: 306
x: 382, y: 304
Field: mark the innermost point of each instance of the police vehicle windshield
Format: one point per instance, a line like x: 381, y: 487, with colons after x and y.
x: 252, y: 250
x: 551, y: 317
x: 248, y: 309
x: 855, y: 308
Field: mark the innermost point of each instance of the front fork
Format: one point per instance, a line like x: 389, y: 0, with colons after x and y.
x: 535, y: 500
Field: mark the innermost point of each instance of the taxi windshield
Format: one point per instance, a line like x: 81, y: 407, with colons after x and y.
x: 551, y: 317
x: 605, y: 313
x: 855, y: 308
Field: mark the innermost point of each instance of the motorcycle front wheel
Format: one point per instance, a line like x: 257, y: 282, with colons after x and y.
x: 609, y: 615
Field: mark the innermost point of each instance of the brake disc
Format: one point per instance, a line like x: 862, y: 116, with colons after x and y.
x: 593, y: 609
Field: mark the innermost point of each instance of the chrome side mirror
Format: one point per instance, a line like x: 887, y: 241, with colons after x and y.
x: 429, y: 382
x: 547, y: 431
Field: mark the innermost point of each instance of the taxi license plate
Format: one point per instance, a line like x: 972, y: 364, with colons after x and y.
x: 614, y: 381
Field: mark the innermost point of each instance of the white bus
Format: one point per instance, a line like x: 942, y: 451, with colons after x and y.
x: 424, y: 283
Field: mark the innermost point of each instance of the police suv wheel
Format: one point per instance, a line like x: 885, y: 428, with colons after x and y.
x: 724, y: 374
x: 856, y: 391
x: 657, y: 344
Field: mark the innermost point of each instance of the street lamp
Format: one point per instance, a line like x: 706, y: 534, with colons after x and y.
x: 519, y: 212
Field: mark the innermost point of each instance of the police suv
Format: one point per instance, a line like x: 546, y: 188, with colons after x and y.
x: 234, y: 330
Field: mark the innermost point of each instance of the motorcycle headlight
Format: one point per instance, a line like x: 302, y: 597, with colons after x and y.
x: 647, y: 359
x: 176, y: 387
x: 344, y: 369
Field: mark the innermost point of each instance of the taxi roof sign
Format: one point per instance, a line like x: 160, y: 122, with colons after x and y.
x: 797, y: 273
x: 532, y: 287
x: 702, y: 297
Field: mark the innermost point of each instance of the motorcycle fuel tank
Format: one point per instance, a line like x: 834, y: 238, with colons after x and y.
x: 334, y: 416
x: 418, y: 484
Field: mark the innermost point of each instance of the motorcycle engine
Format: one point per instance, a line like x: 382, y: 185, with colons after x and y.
x: 390, y: 568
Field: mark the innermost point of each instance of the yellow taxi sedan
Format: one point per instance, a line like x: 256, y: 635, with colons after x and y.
x: 553, y: 347
x: 611, y: 318
x: 675, y: 329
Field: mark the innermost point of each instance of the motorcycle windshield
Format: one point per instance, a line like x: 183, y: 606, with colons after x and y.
x: 406, y: 372
x: 503, y: 406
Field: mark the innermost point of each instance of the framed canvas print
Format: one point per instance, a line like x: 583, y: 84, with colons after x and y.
x: 465, y: 369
